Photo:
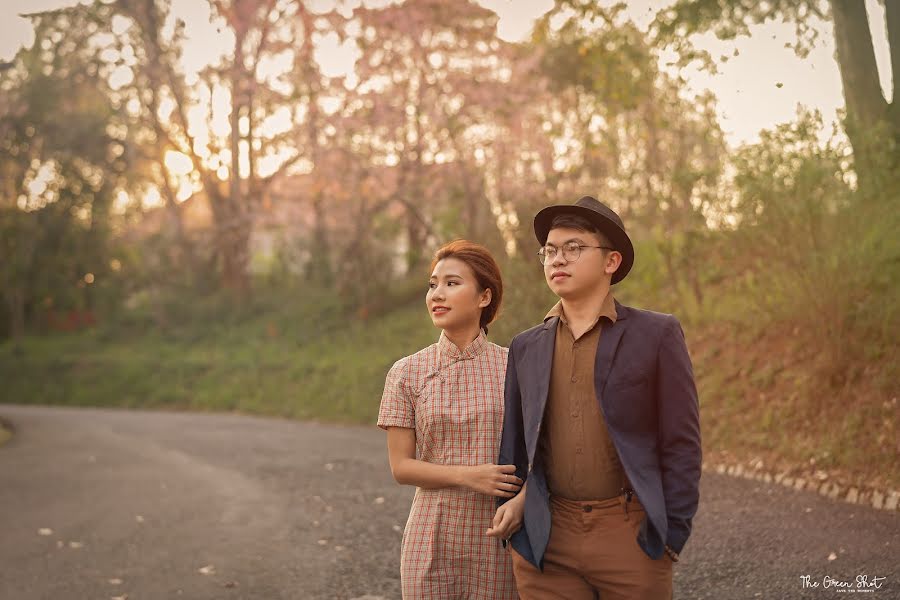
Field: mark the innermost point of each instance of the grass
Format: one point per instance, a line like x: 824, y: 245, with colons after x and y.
x: 765, y: 391
x: 333, y: 373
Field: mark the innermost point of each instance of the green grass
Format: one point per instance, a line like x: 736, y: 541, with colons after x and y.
x: 762, y: 392
x: 330, y: 369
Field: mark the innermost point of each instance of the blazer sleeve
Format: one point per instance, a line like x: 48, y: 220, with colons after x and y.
x: 512, y: 440
x: 680, y: 454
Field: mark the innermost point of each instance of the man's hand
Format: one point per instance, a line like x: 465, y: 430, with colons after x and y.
x: 508, y: 518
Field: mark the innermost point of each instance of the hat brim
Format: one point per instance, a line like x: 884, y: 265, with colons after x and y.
x: 617, y: 236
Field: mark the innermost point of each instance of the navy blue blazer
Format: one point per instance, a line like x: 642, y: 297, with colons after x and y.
x: 645, y: 385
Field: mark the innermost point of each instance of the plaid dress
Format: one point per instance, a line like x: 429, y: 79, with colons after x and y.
x: 454, y: 401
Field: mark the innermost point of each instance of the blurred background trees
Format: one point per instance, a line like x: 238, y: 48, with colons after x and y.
x: 264, y: 206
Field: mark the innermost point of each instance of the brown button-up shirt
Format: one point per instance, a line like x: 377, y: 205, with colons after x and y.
x: 580, y: 458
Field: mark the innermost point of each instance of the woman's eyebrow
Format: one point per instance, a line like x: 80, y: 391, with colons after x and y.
x: 448, y: 276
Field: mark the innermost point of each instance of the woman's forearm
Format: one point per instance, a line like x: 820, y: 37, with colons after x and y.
x: 410, y: 471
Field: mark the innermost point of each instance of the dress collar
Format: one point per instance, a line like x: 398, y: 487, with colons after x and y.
x: 473, y: 349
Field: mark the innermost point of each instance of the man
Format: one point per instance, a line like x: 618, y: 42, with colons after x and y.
x: 601, y: 421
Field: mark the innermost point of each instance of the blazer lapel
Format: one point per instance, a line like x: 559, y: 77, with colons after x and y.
x: 606, y: 348
x: 539, y: 365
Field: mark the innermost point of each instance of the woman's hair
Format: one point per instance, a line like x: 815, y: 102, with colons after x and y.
x: 487, y: 273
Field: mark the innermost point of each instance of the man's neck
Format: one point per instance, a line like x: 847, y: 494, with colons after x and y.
x: 582, y: 312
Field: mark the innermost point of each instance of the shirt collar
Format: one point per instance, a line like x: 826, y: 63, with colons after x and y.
x: 473, y: 349
x: 607, y: 309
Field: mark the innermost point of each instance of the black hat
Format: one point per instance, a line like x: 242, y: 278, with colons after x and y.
x: 606, y: 220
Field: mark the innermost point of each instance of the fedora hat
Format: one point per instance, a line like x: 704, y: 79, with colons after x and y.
x: 606, y: 220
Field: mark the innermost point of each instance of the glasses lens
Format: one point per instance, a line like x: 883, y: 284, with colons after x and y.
x: 571, y: 251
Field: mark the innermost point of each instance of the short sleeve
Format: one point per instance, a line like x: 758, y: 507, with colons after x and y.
x: 397, y: 404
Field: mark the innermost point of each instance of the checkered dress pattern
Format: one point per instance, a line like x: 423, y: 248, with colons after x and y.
x: 454, y: 401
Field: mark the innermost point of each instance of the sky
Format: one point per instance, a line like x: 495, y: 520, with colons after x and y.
x: 747, y: 86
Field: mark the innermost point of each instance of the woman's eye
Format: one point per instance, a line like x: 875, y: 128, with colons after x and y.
x: 431, y: 286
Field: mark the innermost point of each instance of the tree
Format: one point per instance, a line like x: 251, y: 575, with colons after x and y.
x: 429, y: 75
x: 63, y: 161
x: 229, y: 167
x: 872, y: 123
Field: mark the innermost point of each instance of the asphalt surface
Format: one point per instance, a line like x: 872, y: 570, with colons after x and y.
x: 104, y: 504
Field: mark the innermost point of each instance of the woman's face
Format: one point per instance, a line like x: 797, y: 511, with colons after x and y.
x: 454, y: 299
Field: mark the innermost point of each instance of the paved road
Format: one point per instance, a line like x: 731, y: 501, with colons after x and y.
x: 99, y: 504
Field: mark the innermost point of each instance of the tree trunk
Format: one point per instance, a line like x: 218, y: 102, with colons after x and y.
x: 867, y: 109
x: 15, y: 301
x: 319, y: 269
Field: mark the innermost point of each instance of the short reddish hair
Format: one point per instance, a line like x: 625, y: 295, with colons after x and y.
x: 487, y: 273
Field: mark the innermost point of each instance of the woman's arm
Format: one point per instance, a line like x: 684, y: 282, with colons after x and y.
x: 494, y: 480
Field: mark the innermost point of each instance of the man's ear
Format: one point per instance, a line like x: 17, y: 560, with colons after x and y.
x: 486, y: 297
x: 613, y: 261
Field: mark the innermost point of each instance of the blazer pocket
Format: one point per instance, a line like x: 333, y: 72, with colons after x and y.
x: 628, y: 383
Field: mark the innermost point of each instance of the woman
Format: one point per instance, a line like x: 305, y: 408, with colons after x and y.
x: 443, y: 411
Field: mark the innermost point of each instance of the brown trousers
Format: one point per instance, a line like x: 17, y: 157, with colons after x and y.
x: 593, y: 552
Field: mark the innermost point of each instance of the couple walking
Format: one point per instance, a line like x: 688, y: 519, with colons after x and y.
x: 566, y: 466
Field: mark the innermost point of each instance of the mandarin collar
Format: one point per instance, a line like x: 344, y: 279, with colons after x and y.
x: 473, y: 349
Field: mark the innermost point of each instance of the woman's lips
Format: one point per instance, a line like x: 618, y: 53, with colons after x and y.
x: 439, y: 310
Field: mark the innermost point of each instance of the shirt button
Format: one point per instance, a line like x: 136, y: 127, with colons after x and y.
x: 574, y: 380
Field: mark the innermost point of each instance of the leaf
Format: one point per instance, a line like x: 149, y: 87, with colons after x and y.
x: 207, y: 570
x: 45, y: 531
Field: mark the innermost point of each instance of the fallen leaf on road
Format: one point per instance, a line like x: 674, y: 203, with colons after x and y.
x: 122, y: 597
x: 396, y: 528
x: 114, y: 581
x: 323, y: 542
x: 139, y: 518
x: 329, y: 467
x: 338, y: 548
x: 207, y: 570
x: 231, y: 584
x: 45, y: 531
x: 379, y: 500
x: 832, y: 556
x: 76, y: 545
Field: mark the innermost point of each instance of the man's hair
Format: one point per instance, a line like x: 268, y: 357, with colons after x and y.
x: 572, y: 221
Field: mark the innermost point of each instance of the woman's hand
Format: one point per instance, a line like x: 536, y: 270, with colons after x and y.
x: 493, y: 480
x: 508, y: 518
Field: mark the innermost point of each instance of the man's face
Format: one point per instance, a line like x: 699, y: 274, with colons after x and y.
x: 570, y: 279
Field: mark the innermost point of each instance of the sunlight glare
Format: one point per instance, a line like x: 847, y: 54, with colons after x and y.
x: 177, y: 163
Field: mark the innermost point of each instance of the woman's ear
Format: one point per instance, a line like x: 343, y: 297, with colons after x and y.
x: 486, y: 297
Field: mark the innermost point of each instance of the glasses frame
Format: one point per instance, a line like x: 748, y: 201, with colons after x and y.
x: 546, y: 260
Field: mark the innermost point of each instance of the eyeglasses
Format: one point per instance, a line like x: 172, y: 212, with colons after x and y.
x: 570, y: 251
